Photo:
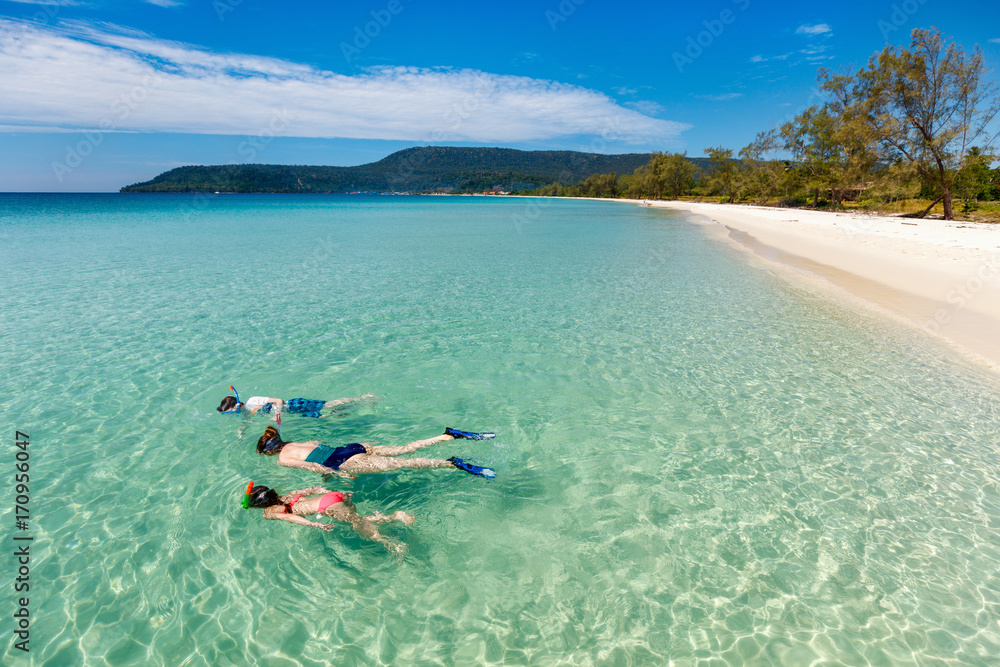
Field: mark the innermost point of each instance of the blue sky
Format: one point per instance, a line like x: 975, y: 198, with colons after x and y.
x: 97, y: 94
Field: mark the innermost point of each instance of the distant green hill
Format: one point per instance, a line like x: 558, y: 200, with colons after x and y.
x: 425, y: 169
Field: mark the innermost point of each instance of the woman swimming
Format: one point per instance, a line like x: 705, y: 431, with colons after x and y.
x: 317, y: 500
x: 362, y: 458
x: 299, y: 406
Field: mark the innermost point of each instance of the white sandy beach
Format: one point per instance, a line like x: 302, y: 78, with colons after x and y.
x: 943, y: 277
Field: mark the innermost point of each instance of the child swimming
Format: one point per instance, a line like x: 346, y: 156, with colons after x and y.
x: 295, y: 506
x: 300, y: 406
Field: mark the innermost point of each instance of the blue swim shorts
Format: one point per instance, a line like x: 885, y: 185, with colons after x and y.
x: 304, y: 406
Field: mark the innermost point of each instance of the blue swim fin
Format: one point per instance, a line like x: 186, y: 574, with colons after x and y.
x: 468, y: 435
x: 488, y: 473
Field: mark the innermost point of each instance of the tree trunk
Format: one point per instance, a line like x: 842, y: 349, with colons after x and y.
x: 949, y: 213
x: 928, y: 209
x: 816, y: 198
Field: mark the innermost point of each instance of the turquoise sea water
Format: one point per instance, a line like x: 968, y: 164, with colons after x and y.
x: 696, y: 459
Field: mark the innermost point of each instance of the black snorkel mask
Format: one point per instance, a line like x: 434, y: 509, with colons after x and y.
x: 273, y: 445
x: 260, y: 496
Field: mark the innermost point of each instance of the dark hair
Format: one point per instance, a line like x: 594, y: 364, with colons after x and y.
x: 271, y: 442
x: 261, y: 496
x: 228, y: 403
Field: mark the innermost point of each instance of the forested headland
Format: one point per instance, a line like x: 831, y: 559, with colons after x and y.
x: 445, y: 169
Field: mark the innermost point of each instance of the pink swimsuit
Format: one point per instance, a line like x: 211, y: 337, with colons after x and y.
x: 331, y: 498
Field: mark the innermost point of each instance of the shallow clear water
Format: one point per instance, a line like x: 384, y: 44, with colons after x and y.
x: 695, y: 459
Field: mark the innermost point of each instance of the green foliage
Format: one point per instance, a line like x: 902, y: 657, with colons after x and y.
x: 762, y: 177
x: 975, y: 181
x: 600, y: 185
x: 812, y: 140
x: 925, y: 105
x: 901, y: 127
x: 723, y: 173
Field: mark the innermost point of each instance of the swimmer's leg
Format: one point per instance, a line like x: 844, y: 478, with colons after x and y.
x: 398, y: 515
x: 365, y: 527
x: 385, y: 450
x: 374, y: 464
x: 344, y: 401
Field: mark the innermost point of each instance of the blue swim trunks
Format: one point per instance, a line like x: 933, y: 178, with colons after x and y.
x: 304, y: 406
x: 333, y: 457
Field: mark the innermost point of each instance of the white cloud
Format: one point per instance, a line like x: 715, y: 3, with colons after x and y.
x: 646, y: 107
x: 81, y: 77
x: 818, y: 29
x: 995, y: 40
x: 724, y: 97
x: 165, y: 3
x: 61, y: 3
x: 758, y: 59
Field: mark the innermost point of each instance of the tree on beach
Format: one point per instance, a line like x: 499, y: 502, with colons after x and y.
x: 723, y: 171
x: 646, y: 181
x: 857, y: 170
x: 927, y: 105
x: 975, y: 180
x: 762, y: 177
x: 600, y: 185
x: 812, y: 140
x: 677, y: 174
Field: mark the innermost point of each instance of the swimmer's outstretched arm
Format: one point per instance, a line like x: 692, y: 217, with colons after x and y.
x: 295, y: 518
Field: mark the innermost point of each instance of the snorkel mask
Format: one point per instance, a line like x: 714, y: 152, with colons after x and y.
x: 239, y: 403
x: 274, y: 444
x: 245, y: 502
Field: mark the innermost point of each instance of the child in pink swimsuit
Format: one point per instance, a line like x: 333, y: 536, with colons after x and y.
x: 295, y: 506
